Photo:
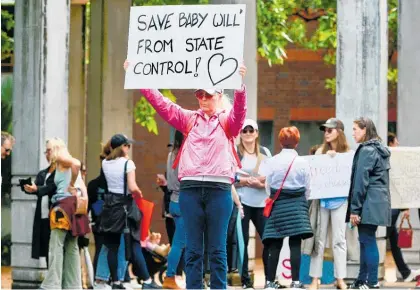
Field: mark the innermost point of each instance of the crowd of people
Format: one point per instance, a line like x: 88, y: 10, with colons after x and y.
x: 210, y: 183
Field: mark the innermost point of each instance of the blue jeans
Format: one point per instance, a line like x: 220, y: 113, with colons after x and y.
x: 206, y: 209
x: 178, y: 242
x: 102, y: 271
x: 369, y: 254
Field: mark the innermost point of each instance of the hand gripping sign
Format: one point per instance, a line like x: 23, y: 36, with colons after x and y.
x: 185, y: 46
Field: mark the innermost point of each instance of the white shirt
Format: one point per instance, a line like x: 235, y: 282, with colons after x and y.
x: 114, y: 173
x: 275, y: 169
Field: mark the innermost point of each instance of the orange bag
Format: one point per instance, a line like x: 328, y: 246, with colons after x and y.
x: 146, y: 208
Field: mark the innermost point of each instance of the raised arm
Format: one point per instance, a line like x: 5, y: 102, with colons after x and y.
x: 176, y: 116
x: 236, y: 117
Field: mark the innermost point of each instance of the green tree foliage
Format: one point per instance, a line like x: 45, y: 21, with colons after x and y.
x: 6, y: 103
x: 7, y: 24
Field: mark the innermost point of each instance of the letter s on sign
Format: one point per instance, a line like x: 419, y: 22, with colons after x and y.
x: 286, y: 264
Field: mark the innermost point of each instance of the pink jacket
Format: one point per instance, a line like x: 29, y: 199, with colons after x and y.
x: 206, y: 151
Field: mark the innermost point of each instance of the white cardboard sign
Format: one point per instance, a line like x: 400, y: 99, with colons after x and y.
x: 185, y: 46
x: 404, y: 177
x: 330, y: 176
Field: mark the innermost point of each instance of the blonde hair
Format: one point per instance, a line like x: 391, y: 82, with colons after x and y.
x: 225, y: 103
x: 57, y: 147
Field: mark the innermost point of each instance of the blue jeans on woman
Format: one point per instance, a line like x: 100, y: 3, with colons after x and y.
x: 178, y: 242
x: 369, y: 254
x: 102, y: 271
x: 206, y: 209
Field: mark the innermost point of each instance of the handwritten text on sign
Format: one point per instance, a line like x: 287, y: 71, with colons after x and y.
x: 185, y: 47
x: 330, y: 176
x: 405, y: 177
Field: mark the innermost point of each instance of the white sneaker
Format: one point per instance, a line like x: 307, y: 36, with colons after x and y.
x: 102, y: 286
x: 133, y: 284
x: 412, y: 276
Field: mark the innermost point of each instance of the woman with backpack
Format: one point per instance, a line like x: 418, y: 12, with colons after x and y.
x: 251, y: 190
x: 206, y: 170
x: 120, y: 214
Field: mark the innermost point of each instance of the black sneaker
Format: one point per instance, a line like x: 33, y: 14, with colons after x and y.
x: 296, y: 285
x: 367, y: 286
x: 118, y: 286
x: 356, y: 284
x: 151, y: 285
x: 247, y: 285
x: 270, y: 285
x: 279, y: 286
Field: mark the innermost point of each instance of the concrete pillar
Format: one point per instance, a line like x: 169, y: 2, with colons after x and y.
x: 40, y: 105
x: 77, y: 92
x: 408, y: 116
x: 362, y: 64
x: 109, y: 106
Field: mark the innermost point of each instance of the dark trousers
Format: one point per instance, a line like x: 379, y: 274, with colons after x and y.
x: 274, y: 248
x: 232, y: 241
x: 254, y: 214
x: 392, y: 235
x: 369, y: 254
x: 99, y: 241
x: 206, y: 210
x: 112, y: 242
x: 170, y: 230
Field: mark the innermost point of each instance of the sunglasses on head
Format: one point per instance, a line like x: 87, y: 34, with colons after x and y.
x: 203, y: 95
x: 246, y: 130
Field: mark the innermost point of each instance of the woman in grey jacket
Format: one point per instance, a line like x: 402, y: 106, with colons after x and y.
x: 369, y: 198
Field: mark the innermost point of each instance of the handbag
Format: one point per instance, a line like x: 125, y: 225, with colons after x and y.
x: 82, y: 203
x: 269, y: 202
x: 405, y: 236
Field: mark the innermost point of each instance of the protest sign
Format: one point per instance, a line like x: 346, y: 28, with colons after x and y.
x: 405, y: 177
x: 185, y: 46
x: 330, y: 176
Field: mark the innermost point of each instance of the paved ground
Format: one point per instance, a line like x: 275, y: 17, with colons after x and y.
x: 390, y: 275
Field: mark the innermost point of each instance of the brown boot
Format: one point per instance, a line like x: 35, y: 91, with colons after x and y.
x: 170, y: 283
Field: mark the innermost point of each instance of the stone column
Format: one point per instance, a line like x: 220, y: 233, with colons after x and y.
x: 40, y: 105
x: 109, y: 106
x: 362, y: 64
x: 77, y: 92
x: 408, y: 116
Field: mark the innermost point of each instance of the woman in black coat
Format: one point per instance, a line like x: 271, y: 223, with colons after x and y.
x: 44, y: 188
x: 369, y: 201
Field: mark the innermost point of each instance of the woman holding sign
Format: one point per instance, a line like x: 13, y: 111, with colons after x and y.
x: 333, y: 209
x: 369, y: 201
x: 207, y: 162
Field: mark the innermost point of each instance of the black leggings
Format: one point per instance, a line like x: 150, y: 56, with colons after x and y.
x: 112, y: 242
x: 274, y: 247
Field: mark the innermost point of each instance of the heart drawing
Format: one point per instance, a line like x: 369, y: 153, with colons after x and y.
x: 220, y: 68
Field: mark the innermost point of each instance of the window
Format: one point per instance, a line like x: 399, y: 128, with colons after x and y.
x: 310, y: 135
x: 266, y: 134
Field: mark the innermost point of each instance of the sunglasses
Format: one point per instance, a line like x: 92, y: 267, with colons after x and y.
x: 128, y: 145
x: 251, y: 131
x: 8, y: 150
x: 329, y: 130
x: 203, y: 95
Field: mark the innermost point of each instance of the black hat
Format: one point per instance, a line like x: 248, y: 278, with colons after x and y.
x: 332, y: 123
x: 119, y: 139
